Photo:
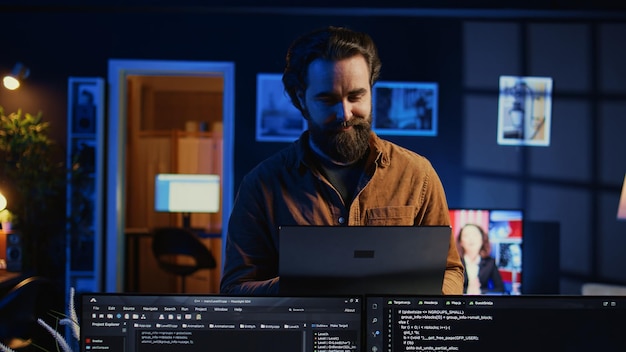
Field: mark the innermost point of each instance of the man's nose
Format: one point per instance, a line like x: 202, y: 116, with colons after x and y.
x: 343, y: 111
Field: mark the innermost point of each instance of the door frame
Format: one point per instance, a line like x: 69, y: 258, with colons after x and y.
x: 113, y: 264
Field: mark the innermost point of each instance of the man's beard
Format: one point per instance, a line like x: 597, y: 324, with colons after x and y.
x: 342, y: 146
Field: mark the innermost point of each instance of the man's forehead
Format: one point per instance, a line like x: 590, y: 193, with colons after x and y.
x: 349, y: 74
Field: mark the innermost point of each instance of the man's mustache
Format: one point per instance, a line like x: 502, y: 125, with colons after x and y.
x: 354, y: 122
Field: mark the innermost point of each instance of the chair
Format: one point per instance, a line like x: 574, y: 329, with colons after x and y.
x: 21, y: 306
x: 180, y: 252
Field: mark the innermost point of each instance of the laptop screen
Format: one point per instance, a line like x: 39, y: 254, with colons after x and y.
x: 146, y: 323
x: 495, y: 323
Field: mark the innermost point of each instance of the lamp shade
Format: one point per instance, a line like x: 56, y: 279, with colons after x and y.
x: 13, y: 80
x: 621, y: 209
x: 3, y: 202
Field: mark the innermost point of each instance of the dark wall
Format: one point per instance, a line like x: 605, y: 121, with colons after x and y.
x: 577, y: 176
x: 59, y: 44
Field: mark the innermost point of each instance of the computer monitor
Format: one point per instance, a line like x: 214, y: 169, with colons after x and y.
x: 199, y: 323
x: 505, y: 233
x: 186, y: 194
x: 495, y: 323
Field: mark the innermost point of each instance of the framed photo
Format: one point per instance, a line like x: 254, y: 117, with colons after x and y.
x: 524, y: 110
x: 86, y: 99
x: 405, y: 108
x: 85, y: 134
x: 277, y: 120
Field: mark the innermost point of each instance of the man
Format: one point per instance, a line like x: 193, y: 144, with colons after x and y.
x: 337, y: 173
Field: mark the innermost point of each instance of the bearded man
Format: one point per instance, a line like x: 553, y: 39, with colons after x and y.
x: 338, y: 173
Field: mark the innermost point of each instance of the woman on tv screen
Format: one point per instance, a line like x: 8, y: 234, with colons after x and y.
x: 481, y: 272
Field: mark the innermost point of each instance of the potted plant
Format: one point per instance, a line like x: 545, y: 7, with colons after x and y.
x: 32, y: 177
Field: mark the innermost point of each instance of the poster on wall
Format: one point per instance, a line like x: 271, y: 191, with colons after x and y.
x: 277, y: 120
x: 405, y: 108
x: 524, y: 110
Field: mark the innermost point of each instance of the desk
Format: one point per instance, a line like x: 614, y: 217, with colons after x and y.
x: 133, y: 239
x: 7, y: 276
x: 3, y: 246
x: 11, y: 251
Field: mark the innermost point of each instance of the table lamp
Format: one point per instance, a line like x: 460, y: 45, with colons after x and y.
x: 3, y: 202
x: 621, y: 209
x: 13, y: 80
x: 5, y: 214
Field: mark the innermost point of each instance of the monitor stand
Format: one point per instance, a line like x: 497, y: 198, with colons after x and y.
x: 187, y: 220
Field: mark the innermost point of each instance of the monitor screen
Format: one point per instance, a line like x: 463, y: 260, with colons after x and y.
x: 200, y: 323
x: 187, y: 193
x: 499, y: 269
x: 495, y: 323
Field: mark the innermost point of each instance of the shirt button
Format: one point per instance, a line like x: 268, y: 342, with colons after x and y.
x: 341, y: 220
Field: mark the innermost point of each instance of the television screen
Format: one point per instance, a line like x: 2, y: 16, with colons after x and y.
x: 497, y: 269
x: 187, y: 193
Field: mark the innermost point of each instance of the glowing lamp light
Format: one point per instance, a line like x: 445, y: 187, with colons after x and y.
x: 19, y: 73
x: 3, y: 202
x: 10, y: 82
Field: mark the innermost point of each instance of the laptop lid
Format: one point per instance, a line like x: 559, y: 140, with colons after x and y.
x: 327, y: 260
x: 495, y: 323
x: 199, y: 323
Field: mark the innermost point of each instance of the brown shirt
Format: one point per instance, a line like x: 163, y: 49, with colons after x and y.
x: 400, y: 187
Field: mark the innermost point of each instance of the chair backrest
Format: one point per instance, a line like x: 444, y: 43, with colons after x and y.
x: 21, y: 306
x: 171, y: 243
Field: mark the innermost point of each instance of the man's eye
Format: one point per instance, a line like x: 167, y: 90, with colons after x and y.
x: 327, y: 101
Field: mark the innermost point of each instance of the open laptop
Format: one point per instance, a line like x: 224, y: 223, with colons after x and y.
x: 328, y: 260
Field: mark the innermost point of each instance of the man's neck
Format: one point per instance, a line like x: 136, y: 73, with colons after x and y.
x: 326, y: 158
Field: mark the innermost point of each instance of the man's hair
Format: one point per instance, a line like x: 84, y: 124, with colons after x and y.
x: 330, y: 43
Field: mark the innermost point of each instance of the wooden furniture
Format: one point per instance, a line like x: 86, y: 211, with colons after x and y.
x: 8, y: 276
x: 3, y: 249
x: 11, y: 251
x: 171, y: 151
x: 174, y: 125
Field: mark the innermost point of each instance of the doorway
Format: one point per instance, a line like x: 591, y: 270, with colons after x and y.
x: 132, y: 78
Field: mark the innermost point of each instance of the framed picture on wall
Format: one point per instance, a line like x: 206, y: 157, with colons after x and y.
x: 85, y: 159
x: 86, y: 100
x: 277, y: 120
x: 405, y: 108
x: 524, y: 111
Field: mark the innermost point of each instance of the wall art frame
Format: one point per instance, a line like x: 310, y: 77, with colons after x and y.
x: 277, y: 120
x: 524, y: 110
x: 405, y: 108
